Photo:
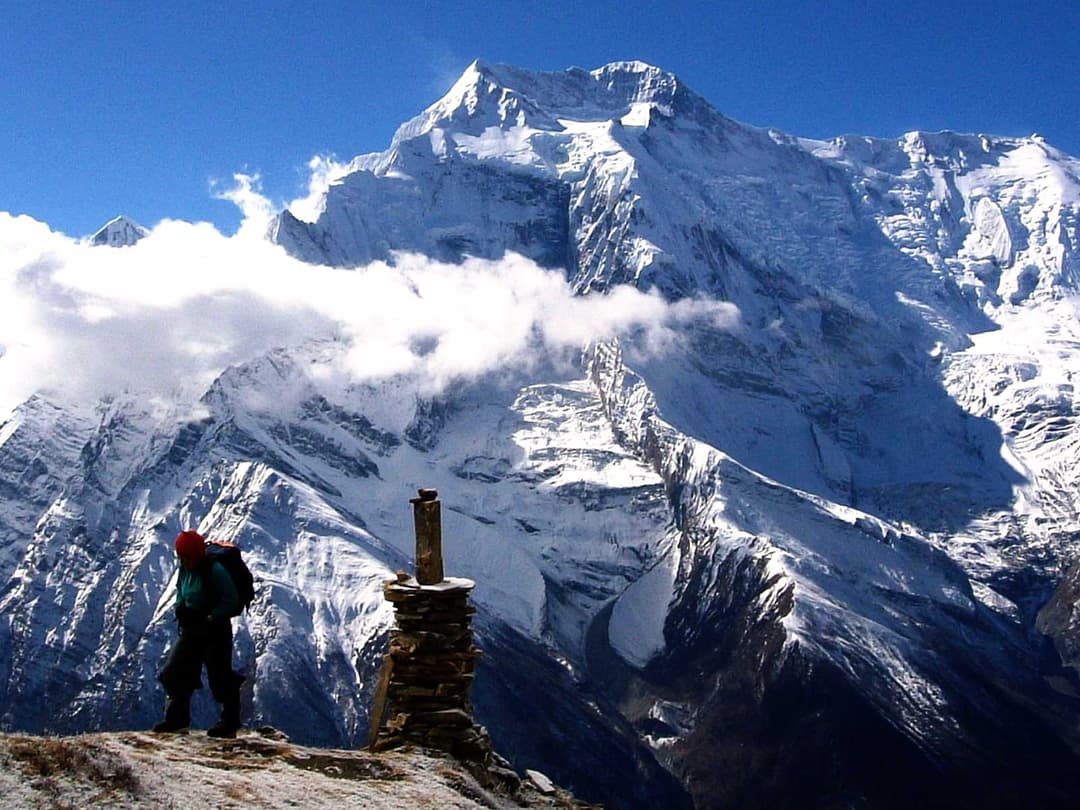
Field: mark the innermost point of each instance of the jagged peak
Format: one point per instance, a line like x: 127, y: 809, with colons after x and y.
x: 120, y: 231
x: 502, y: 95
x: 482, y: 96
x: 604, y: 78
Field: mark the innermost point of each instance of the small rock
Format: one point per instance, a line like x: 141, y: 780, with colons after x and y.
x: 542, y: 783
x: 271, y: 733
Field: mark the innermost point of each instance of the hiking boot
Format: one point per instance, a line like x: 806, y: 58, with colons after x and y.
x: 165, y: 727
x: 222, y: 729
x: 177, y: 717
x: 229, y: 723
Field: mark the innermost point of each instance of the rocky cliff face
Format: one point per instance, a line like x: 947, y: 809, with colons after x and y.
x: 792, y: 560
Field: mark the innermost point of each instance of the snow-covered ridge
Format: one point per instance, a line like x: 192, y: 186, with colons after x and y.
x: 819, y: 555
x: 1000, y: 214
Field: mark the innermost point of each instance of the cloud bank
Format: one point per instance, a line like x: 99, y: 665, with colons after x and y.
x: 166, y: 316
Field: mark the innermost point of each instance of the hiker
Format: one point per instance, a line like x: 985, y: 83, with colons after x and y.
x: 206, y: 598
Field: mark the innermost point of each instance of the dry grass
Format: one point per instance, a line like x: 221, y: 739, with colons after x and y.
x: 353, y: 766
x: 126, y: 770
x: 46, y: 761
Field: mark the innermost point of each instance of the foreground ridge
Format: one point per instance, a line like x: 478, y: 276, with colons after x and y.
x: 263, y: 768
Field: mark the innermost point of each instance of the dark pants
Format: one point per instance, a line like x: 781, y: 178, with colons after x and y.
x: 209, y: 644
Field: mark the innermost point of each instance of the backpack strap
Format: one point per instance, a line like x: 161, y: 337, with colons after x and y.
x: 203, y: 570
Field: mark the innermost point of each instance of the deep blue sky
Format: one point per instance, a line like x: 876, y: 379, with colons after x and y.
x: 136, y: 107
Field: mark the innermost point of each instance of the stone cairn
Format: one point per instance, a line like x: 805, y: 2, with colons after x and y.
x: 423, y: 693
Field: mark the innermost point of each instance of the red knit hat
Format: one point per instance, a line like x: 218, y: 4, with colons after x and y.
x: 190, y: 544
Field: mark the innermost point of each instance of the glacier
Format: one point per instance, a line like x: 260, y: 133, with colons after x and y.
x: 819, y: 551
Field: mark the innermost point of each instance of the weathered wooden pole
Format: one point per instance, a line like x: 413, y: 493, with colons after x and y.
x: 427, y: 518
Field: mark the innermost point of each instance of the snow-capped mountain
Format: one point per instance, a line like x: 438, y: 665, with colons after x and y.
x: 119, y: 232
x: 798, y: 561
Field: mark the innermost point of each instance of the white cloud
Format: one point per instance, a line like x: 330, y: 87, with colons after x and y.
x: 166, y: 315
x: 258, y: 210
x: 324, y: 171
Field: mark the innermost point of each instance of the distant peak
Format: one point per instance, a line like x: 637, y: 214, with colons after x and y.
x: 480, y: 66
x: 506, y: 76
x: 119, y: 232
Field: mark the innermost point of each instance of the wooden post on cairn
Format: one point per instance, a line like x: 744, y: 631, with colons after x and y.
x: 423, y: 694
x: 427, y: 518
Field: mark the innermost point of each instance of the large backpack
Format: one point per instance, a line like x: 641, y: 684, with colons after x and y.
x: 228, y: 554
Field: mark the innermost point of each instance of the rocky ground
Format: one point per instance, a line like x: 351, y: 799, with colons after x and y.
x: 256, y: 770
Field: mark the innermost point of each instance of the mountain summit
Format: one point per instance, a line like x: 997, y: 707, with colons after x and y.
x: 119, y: 232
x: 506, y: 97
x: 814, y: 557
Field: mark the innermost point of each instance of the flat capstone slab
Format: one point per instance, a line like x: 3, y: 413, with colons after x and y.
x: 448, y: 587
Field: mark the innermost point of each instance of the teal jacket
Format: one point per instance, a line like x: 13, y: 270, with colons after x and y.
x: 219, y: 601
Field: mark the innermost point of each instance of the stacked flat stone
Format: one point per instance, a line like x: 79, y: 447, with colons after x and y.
x: 428, y: 672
